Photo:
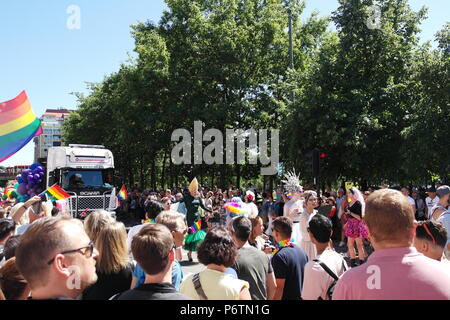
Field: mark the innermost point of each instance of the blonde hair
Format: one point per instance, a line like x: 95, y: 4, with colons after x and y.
x: 389, y: 216
x: 111, y: 244
x: 95, y: 222
x: 171, y: 219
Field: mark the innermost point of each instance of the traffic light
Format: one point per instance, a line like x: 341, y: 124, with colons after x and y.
x: 313, y: 161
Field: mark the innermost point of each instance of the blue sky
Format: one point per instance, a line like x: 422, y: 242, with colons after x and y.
x: 40, y: 54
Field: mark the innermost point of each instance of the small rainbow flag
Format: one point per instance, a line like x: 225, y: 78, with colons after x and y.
x: 57, y: 192
x: 123, y: 194
x: 150, y: 221
x: 196, y: 226
x: 18, y: 125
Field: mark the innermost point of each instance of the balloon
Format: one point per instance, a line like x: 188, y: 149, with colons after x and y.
x: 24, y: 175
x: 22, y: 189
x: 42, y: 174
x: 40, y: 169
x: 36, y: 177
x: 30, y: 177
x: 40, y: 181
x: 13, y: 195
x: 16, y: 186
x: 19, y: 179
x: 4, y: 197
x: 34, y: 166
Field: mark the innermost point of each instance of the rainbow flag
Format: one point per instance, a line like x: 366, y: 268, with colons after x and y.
x: 196, y: 226
x: 18, y: 125
x: 123, y: 194
x: 57, y: 192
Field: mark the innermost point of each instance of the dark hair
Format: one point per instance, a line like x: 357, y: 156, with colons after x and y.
x: 6, y: 227
x: 55, y: 211
x: 283, y: 225
x: 10, y: 246
x: 12, y: 283
x: 153, y: 208
x: 242, y: 227
x: 151, y: 248
x: 217, y: 248
x: 321, y: 228
x: 437, y: 230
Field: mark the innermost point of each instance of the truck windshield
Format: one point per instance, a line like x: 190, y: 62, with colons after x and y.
x: 86, y: 179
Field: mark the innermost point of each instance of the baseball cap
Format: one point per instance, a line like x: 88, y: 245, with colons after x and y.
x: 431, y: 189
x: 442, y: 191
x: 250, y: 195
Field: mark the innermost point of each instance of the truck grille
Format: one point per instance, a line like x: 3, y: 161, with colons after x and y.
x: 88, y: 204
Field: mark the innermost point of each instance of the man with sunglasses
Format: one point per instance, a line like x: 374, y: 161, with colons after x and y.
x: 57, y: 258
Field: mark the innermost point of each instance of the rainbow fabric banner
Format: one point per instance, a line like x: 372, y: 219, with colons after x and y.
x: 234, y: 207
x: 18, y: 125
x: 123, y: 194
x: 57, y: 192
x: 196, y: 226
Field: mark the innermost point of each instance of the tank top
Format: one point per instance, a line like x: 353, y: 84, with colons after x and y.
x: 434, y: 209
x: 216, y: 285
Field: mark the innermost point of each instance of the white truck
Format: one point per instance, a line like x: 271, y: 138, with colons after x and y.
x: 86, y: 172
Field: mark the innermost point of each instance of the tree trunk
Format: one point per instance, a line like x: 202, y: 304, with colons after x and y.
x: 163, y: 171
x: 153, y: 174
x: 238, y: 176
x: 141, y: 171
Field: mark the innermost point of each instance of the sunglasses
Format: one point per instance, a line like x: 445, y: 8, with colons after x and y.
x: 184, y: 231
x: 87, y: 251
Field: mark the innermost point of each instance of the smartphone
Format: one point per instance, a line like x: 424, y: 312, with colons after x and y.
x: 36, y: 207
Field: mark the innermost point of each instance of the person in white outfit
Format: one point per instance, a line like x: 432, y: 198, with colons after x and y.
x: 309, y: 212
x: 294, y: 207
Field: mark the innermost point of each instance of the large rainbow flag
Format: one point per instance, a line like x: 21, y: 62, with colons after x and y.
x: 18, y: 125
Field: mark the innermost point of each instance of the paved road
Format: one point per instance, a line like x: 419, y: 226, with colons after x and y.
x: 191, y: 267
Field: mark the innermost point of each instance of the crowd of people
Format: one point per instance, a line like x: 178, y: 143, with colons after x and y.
x: 290, y: 244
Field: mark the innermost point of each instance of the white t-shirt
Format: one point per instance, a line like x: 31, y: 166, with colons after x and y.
x: 411, y: 201
x: 430, y: 203
x: 131, y: 233
x: 316, y: 280
x: 252, y: 210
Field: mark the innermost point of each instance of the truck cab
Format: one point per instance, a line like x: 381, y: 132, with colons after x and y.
x: 86, y: 173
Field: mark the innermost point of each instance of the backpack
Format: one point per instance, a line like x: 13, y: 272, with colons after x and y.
x: 330, y: 290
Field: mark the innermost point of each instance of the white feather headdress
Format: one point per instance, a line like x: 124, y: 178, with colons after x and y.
x: 292, y: 182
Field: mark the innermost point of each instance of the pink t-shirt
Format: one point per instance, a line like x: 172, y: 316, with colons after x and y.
x: 395, y: 274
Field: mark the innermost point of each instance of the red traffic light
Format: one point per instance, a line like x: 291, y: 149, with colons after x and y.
x: 323, y: 155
